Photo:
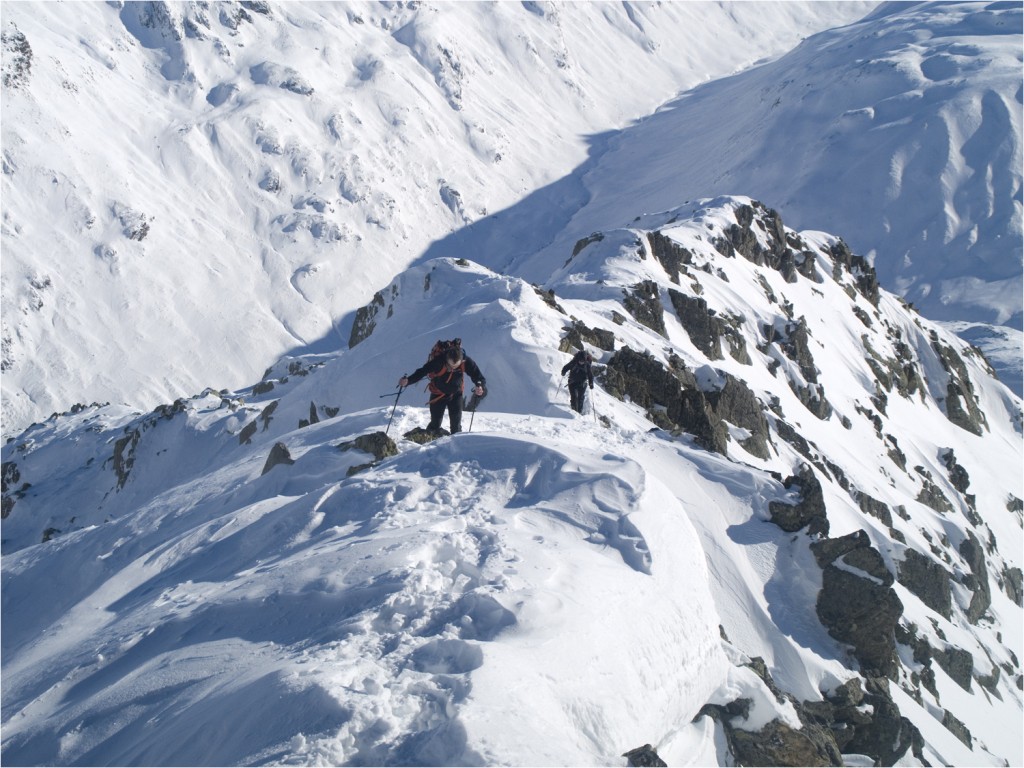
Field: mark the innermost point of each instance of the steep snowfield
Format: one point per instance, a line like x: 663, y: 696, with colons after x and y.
x: 549, y: 588
x: 191, y: 190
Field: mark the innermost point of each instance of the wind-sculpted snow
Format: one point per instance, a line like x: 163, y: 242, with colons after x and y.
x: 548, y: 588
x: 358, y: 616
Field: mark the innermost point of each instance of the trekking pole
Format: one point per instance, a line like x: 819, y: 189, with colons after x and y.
x: 561, y: 380
x: 397, y: 395
x: 472, y: 415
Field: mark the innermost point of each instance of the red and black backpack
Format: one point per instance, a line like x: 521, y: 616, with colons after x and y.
x: 443, y: 347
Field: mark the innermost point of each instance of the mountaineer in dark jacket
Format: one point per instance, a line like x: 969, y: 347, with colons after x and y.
x: 580, y: 375
x: 446, y: 372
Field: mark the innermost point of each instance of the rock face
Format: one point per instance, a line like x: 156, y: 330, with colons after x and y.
x: 961, y: 401
x: 644, y: 756
x: 737, y: 404
x: 848, y: 720
x: 674, y: 401
x: 809, y: 511
x: 928, y: 580
x: 643, y: 302
x: 672, y: 256
x: 278, y: 455
x: 977, y: 580
x: 704, y: 329
x: 857, y: 603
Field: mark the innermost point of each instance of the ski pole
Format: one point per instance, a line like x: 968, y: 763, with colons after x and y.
x: 561, y: 380
x: 397, y: 395
x: 472, y: 415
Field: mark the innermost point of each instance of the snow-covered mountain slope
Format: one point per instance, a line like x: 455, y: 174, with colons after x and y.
x: 901, y: 131
x: 192, y: 189
x: 786, y: 532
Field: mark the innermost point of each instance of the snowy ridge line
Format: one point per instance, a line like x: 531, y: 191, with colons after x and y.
x: 256, y: 170
x: 781, y: 521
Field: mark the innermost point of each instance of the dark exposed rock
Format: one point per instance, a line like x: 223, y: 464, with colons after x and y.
x: 693, y: 414
x: 796, y: 345
x: 1013, y: 584
x: 895, y: 454
x: 578, y: 333
x: 849, y: 694
x: 672, y: 256
x: 870, y: 560
x: 861, y: 611
x: 704, y: 329
x: 957, y: 728
x: 990, y: 682
x: 735, y: 339
x: 813, y: 398
x: 874, y: 507
x: 931, y: 495
x: 907, y: 635
x: 863, y: 614
x: 827, y: 551
x: 961, y: 401
x: 644, y: 756
x: 957, y: 663
x: 809, y: 511
x: 779, y: 744
x: 548, y: 297
x: 266, y: 415
x: 900, y: 372
x: 9, y: 476
x: 865, y: 277
x: 740, y: 237
x: 314, y: 417
x: 365, y: 320
x: 644, y: 380
x: 643, y: 302
x: 972, y: 552
x: 17, y: 57
x: 582, y: 243
x: 377, y: 444
x: 263, y: 387
x: 423, y: 436
x: 957, y: 474
x: 795, y: 439
x: 889, y: 735
x: 278, y: 455
x: 737, y: 404
x: 928, y: 580
x: 671, y: 398
x: 257, y: 6
x: 245, y: 436
x: 124, y: 456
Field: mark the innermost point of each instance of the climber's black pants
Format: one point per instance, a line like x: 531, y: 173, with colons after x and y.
x: 453, y: 405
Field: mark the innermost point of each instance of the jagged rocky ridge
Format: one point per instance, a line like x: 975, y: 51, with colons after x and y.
x: 723, y: 329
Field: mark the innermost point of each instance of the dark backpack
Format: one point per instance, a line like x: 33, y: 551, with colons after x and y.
x: 441, y: 347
